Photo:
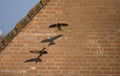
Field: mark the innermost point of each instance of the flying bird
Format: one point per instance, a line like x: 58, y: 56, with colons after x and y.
x: 51, y: 40
x: 40, y: 52
x: 58, y: 26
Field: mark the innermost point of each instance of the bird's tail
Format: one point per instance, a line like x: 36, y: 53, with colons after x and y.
x: 51, y: 43
x: 59, y: 30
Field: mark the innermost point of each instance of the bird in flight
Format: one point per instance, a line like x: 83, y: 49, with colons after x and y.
x: 40, y: 52
x: 58, y: 26
x: 51, y: 40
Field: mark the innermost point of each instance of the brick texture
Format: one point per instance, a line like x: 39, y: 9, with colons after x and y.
x: 90, y: 45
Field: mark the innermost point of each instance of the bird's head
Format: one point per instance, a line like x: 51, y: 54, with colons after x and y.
x: 58, y: 23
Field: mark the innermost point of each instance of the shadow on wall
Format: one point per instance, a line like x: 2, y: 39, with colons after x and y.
x: 50, y: 40
x: 43, y: 51
x: 37, y: 59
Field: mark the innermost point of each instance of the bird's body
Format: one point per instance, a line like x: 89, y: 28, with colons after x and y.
x: 58, y: 26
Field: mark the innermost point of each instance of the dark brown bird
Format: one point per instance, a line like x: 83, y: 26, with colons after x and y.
x: 58, y: 26
x: 51, y: 40
x: 39, y: 51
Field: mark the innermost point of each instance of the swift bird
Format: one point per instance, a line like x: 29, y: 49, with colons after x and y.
x: 40, y: 52
x: 58, y: 26
x: 51, y: 40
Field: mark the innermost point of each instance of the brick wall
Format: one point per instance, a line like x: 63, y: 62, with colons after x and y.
x: 90, y: 45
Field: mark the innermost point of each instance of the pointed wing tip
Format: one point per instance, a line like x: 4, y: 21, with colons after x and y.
x: 33, y: 60
x: 28, y: 61
x: 60, y: 35
x: 64, y: 24
x: 33, y: 51
x: 52, y: 26
x: 46, y: 40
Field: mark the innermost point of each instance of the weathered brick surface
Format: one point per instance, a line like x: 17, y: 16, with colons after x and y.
x: 90, y: 46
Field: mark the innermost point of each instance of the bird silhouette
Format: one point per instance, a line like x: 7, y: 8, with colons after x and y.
x: 40, y: 52
x: 58, y: 26
x: 51, y: 40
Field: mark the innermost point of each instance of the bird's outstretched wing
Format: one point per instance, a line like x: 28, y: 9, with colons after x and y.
x: 46, y: 40
x: 33, y: 60
x: 43, y: 49
x: 56, y: 37
x: 52, y: 26
x: 64, y: 24
x: 39, y: 51
x: 35, y: 51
